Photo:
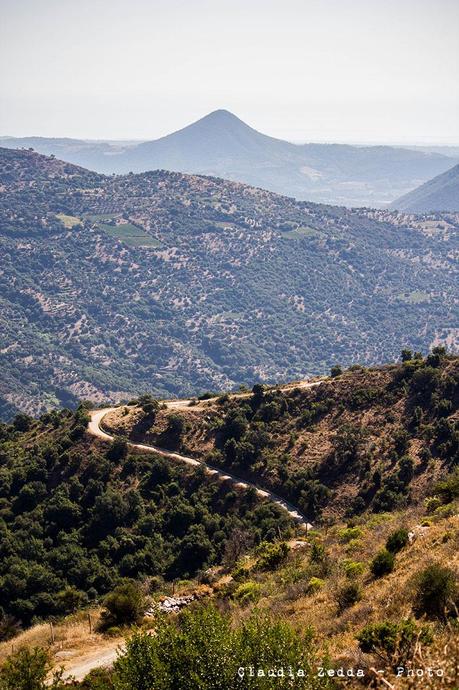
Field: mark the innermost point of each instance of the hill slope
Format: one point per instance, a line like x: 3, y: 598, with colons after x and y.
x: 97, y: 513
x: 378, y: 447
x: 221, y: 144
x: 176, y: 284
x: 439, y: 194
x: 350, y: 443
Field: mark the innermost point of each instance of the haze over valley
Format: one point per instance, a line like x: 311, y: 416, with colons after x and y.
x: 220, y: 144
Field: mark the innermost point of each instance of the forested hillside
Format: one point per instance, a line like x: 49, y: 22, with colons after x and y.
x: 77, y: 515
x: 371, y: 454
x: 176, y: 284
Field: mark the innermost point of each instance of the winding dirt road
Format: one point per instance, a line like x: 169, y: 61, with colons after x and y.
x: 94, y: 428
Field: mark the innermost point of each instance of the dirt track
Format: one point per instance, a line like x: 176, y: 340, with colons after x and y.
x: 94, y: 427
x: 103, y: 658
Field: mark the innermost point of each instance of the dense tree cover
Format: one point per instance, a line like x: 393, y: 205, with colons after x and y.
x: 244, y: 285
x: 76, y: 516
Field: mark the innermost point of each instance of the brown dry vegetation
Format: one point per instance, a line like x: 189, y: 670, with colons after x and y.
x: 369, y: 402
x: 287, y: 592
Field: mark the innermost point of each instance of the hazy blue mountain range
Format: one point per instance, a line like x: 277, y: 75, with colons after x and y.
x: 450, y: 151
x: 176, y: 284
x: 439, y: 194
x: 221, y: 145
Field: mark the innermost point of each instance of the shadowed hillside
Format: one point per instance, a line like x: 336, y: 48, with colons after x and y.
x: 439, y: 194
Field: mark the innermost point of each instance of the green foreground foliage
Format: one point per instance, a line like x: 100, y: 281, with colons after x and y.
x: 28, y: 670
x: 203, y: 651
x: 200, y: 650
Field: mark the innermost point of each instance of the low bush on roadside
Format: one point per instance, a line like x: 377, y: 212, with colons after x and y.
x: 124, y: 606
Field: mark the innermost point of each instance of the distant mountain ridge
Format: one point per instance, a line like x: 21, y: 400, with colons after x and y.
x: 439, y: 194
x: 222, y: 145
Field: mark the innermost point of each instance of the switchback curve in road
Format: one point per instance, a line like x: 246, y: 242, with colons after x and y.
x: 95, y: 429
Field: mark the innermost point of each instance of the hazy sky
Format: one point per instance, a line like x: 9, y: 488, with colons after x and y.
x: 311, y: 70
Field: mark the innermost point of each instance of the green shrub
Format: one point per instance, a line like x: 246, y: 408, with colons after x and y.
x: 382, y: 563
x: 353, y: 545
x: 392, y: 642
x: 401, y: 441
x: 397, y: 540
x: 424, y: 382
x: 271, y: 555
x: 432, y: 503
x: 315, y: 584
x: 445, y: 511
x: 139, y: 666
x: 28, y: 669
x: 354, y: 568
x: 97, y: 679
x: 448, y: 489
x: 435, y: 591
x: 125, y: 605
x: 207, y: 395
x: 348, y: 595
x: 240, y: 571
x: 349, y: 533
x: 149, y: 405
x: 406, y: 470
x: 118, y: 449
x: 318, y: 554
x: 22, y: 422
x: 386, y: 499
x: 70, y: 599
x: 247, y: 592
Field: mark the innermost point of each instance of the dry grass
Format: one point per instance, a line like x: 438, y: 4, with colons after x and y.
x: 307, y: 446
x: 285, y: 595
x: 72, y: 639
x: 386, y: 598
